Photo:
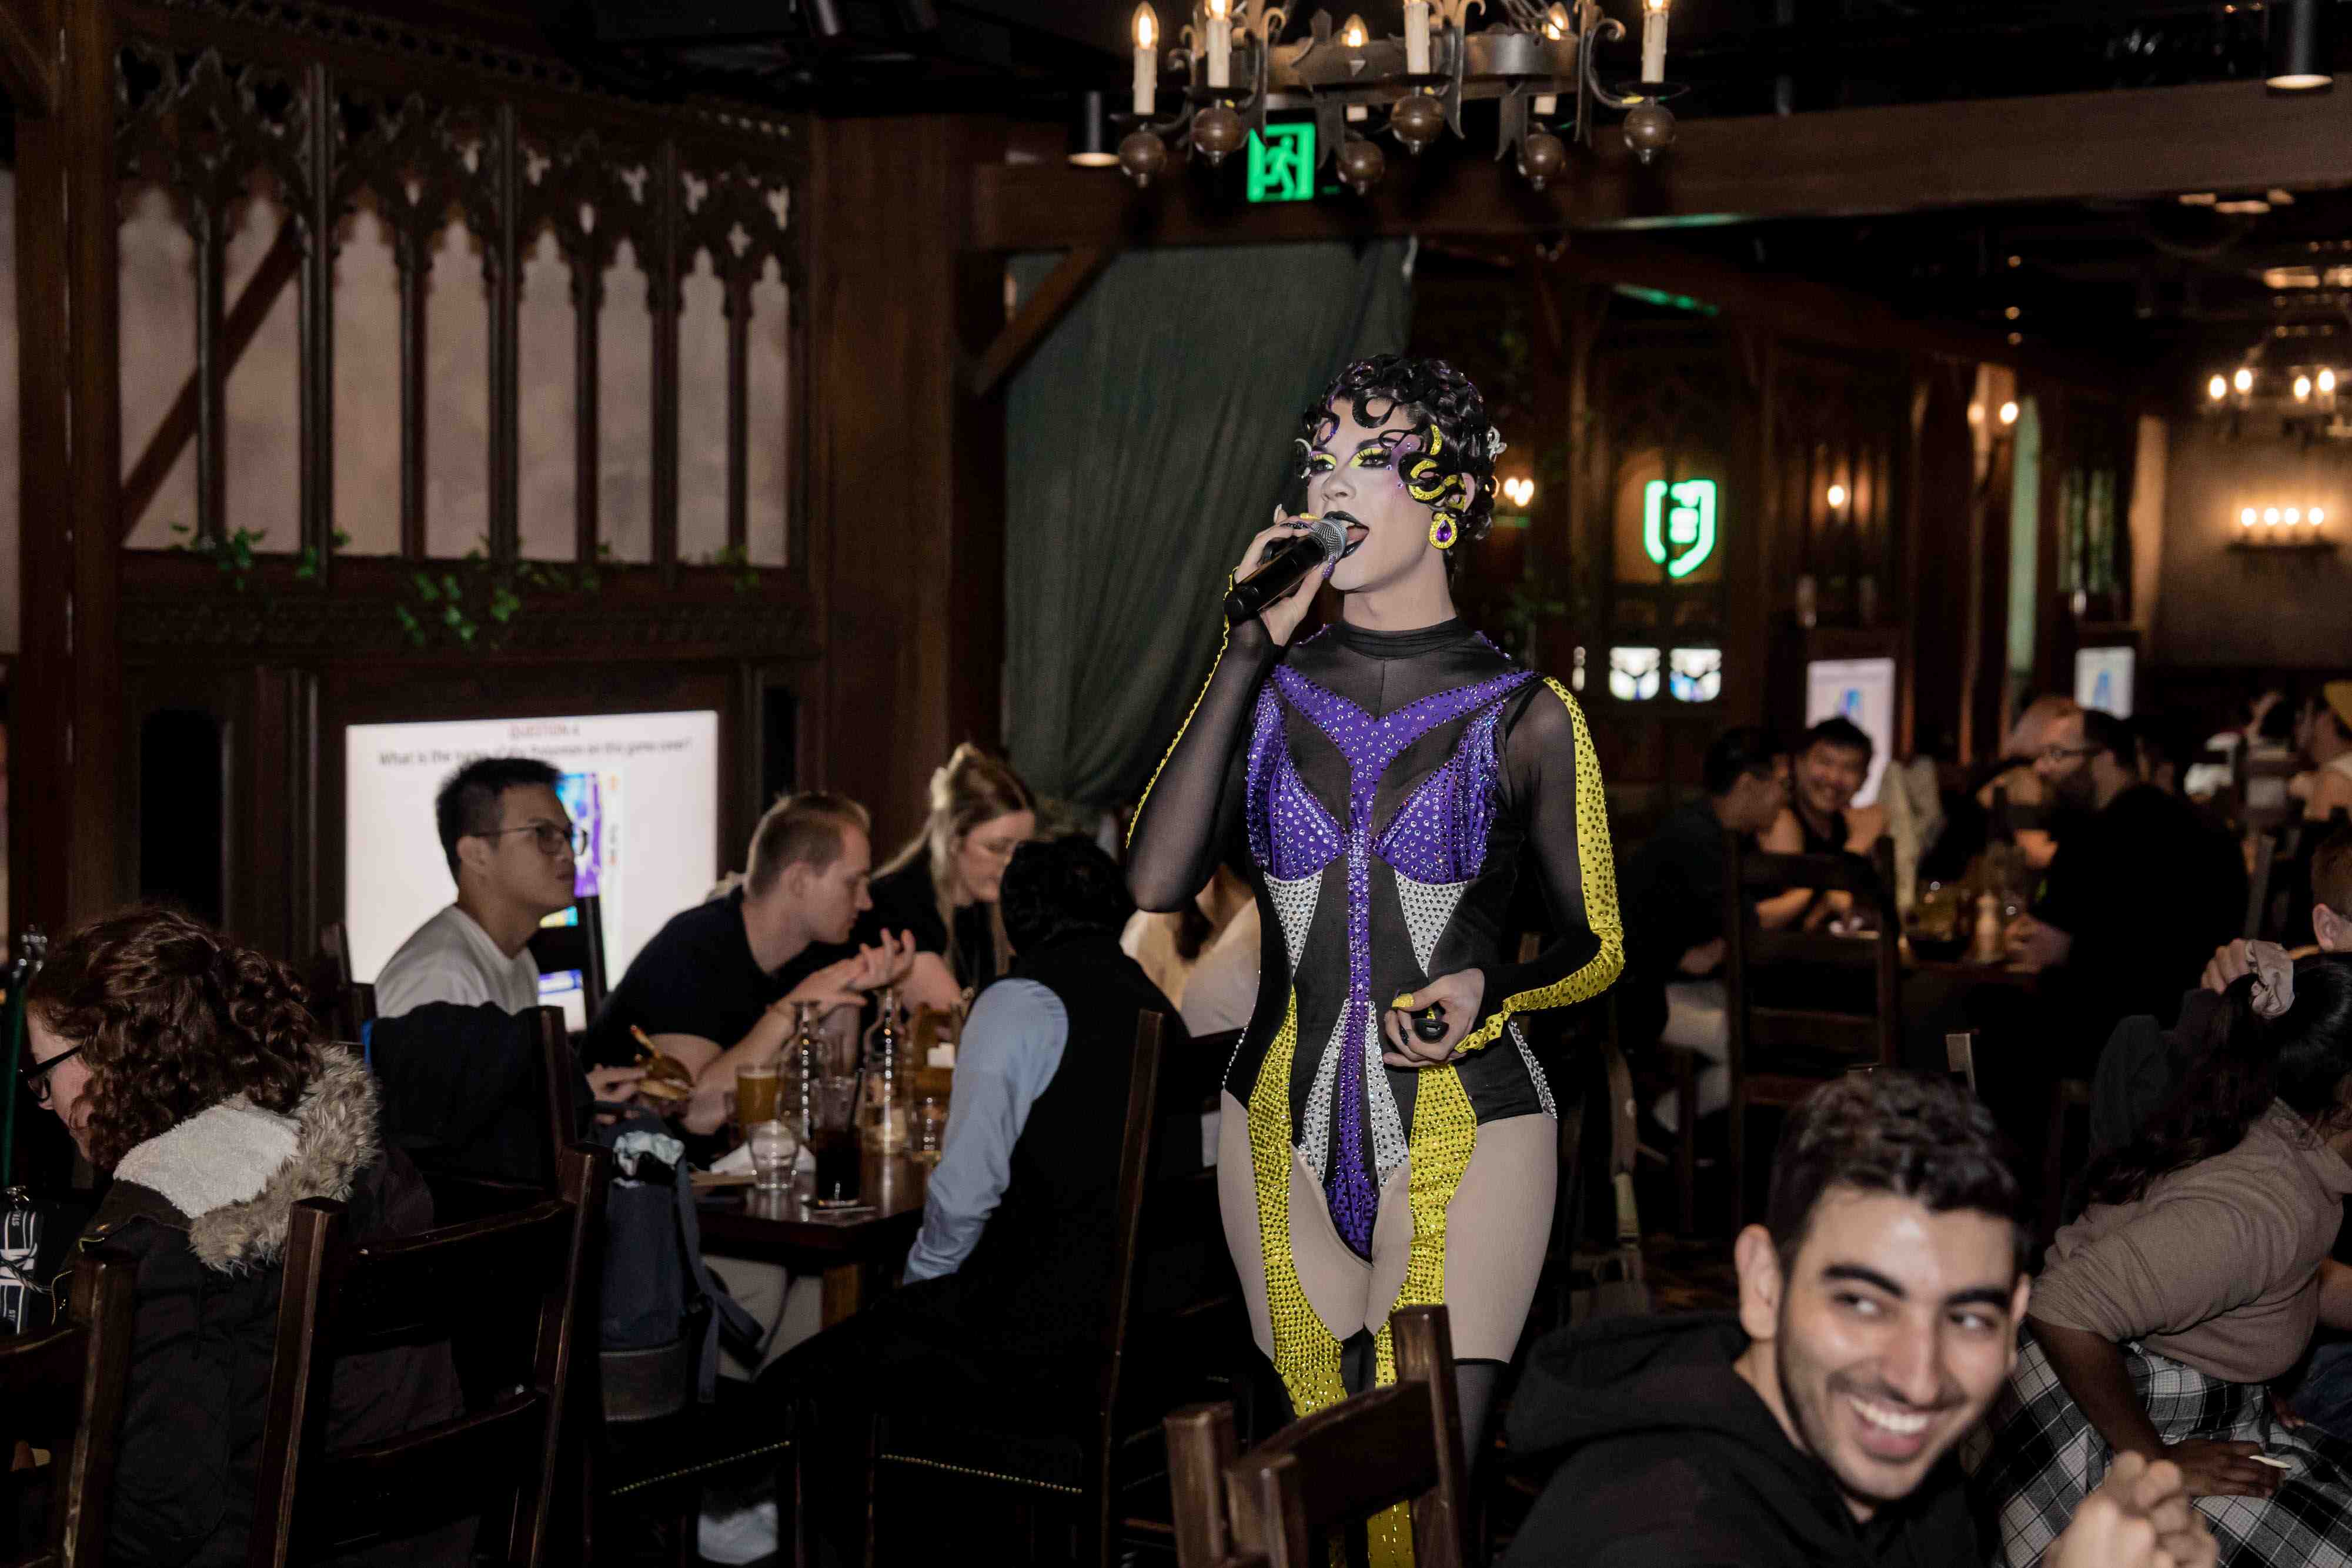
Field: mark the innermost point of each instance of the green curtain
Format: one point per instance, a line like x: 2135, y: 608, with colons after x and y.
x: 1147, y: 439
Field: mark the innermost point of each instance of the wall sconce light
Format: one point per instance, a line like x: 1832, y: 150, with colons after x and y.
x: 1519, y: 490
x: 1836, y: 497
x: 2294, y: 529
x: 2243, y: 380
x: 2009, y: 414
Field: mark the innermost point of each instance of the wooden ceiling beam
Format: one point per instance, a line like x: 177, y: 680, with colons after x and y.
x: 2121, y: 145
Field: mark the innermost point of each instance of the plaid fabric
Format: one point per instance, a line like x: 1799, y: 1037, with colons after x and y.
x: 2036, y: 1458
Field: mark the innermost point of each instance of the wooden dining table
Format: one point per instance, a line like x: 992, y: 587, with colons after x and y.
x: 858, y: 1252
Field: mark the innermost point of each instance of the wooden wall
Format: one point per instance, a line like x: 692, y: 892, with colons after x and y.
x: 879, y: 641
x: 2220, y: 606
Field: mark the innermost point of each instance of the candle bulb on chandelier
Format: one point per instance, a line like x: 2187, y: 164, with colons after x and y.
x: 1220, y: 44
x: 1556, y: 29
x: 1147, y: 75
x: 1653, y: 40
x: 1416, y: 36
x: 2243, y: 380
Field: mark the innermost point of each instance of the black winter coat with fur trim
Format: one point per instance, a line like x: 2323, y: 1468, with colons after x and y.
x: 205, y: 1335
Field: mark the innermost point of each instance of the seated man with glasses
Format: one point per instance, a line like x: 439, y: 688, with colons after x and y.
x: 2144, y: 888
x: 509, y: 844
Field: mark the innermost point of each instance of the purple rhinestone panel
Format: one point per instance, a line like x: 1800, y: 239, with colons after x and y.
x: 1290, y: 834
x: 1440, y: 834
x: 1369, y: 747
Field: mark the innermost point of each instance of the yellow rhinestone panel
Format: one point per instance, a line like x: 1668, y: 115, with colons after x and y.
x: 1598, y: 870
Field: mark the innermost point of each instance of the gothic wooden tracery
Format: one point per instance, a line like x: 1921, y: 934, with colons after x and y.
x: 224, y: 102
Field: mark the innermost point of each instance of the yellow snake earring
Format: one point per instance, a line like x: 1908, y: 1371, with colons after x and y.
x: 1441, y: 531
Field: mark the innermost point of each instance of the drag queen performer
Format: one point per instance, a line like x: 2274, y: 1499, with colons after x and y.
x: 1389, y: 774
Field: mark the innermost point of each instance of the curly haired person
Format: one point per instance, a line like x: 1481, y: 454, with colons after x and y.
x: 185, y: 1067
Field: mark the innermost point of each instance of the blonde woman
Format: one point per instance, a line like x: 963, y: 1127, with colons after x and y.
x: 942, y: 885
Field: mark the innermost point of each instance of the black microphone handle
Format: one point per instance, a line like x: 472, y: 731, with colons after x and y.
x: 1292, y: 559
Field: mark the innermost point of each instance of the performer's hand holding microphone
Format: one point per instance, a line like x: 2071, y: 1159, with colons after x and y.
x: 1276, y: 578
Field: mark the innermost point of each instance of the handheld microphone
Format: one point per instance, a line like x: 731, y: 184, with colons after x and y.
x: 1283, y: 563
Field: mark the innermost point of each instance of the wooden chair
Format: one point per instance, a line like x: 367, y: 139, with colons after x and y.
x: 579, y: 946
x: 1834, y: 1040
x: 342, y: 1006
x: 1340, y: 1465
x: 1084, y: 1484
x: 342, y: 1298
x: 65, y: 1386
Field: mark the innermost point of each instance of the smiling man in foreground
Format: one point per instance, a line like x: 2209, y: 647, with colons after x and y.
x: 1878, y: 1316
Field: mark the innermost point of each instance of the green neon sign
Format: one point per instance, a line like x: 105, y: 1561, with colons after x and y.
x: 1282, y: 162
x: 1678, y: 524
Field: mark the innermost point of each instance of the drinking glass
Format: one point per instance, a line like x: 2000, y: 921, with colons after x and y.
x: 758, y: 1095
x: 773, y: 1149
x: 930, y: 1135
x: 834, y: 1139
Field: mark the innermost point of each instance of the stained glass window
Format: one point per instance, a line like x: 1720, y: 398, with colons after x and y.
x: 1633, y: 673
x: 1694, y: 674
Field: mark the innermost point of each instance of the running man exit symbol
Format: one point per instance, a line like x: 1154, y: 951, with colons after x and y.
x: 1282, y: 162
x: 1678, y: 524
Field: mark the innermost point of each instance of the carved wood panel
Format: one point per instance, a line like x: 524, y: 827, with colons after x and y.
x: 324, y: 109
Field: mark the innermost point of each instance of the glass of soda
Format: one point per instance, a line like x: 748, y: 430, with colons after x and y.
x: 835, y: 1141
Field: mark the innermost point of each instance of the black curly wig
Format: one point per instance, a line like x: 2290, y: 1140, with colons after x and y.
x: 1453, y: 442
x: 1061, y: 887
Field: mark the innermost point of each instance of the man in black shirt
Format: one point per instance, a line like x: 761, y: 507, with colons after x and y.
x: 716, y: 987
x: 1672, y: 893
x: 1878, y: 1316
x: 2144, y: 888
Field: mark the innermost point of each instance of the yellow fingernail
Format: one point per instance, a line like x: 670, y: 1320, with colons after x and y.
x: 1403, y: 1001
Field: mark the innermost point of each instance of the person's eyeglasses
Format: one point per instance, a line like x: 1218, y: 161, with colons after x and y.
x: 36, y: 1079
x: 2061, y: 753
x: 550, y: 839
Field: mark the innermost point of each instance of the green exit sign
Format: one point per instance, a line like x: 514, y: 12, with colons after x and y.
x: 1282, y: 162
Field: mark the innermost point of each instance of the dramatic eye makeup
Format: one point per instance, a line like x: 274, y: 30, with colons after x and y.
x: 1379, y: 452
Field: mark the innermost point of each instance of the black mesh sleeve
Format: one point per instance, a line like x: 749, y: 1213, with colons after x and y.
x: 1193, y: 802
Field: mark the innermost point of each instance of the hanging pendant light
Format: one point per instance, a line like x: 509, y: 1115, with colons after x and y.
x: 2299, y: 59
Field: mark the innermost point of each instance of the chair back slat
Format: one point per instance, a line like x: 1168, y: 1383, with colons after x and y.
x: 420, y: 1286
x: 2258, y: 884
x: 1398, y: 1444
x: 1840, y: 872
x: 67, y: 1385
x: 1200, y: 1451
x: 338, y: 1295
x: 555, y: 1087
x: 579, y: 946
x: 1134, y: 1178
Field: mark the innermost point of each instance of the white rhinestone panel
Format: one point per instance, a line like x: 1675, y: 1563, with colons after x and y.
x: 1543, y: 1089
x: 1294, y: 902
x: 1428, y: 907
x: 1316, y: 1127
x: 1388, y: 1127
